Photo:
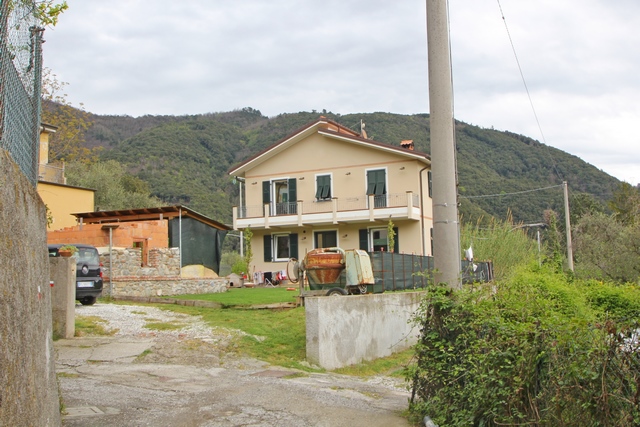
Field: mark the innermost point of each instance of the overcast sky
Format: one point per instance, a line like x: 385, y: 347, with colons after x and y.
x: 580, y: 59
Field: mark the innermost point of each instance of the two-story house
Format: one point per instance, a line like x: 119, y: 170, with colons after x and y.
x: 326, y: 186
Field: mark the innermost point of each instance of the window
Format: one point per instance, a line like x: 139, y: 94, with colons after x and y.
x: 323, y: 187
x: 325, y: 239
x: 377, y: 239
x: 377, y: 185
x: 281, y: 195
x: 280, y: 247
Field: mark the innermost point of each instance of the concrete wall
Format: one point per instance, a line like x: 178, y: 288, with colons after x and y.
x: 62, y: 272
x: 343, y: 331
x: 28, y: 388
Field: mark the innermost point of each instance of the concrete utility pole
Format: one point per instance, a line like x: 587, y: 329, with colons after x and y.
x: 567, y: 222
x: 446, y: 236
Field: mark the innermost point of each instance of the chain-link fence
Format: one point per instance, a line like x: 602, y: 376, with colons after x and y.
x: 20, y: 83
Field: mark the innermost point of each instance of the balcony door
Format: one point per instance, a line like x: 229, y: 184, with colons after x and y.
x: 281, y: 196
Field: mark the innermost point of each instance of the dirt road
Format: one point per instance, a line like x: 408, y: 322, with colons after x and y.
x: 142, y: 378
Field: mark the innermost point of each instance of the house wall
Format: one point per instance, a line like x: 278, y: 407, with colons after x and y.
x: 153, y: 233
x: 319, y: 154
x: 347, y: 163
x: 348, y: 238
x: 63, y: 201
x: 28, y: 392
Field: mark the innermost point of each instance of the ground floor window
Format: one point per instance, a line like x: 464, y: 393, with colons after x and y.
x: 325, y: 239
x: 280, y: 247
x: 377, y: 240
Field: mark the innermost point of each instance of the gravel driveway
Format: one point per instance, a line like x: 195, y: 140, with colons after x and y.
x: 194, y: 377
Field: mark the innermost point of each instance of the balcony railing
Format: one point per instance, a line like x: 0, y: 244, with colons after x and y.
x: 361, y: 203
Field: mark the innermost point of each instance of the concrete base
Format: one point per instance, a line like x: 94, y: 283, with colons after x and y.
x: 62, y: 273
x: 346, y: 330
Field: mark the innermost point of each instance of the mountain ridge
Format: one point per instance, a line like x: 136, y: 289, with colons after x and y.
x: 185, y: 158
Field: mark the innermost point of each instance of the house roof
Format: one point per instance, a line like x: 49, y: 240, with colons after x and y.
x: 146, y: 214
x: 330, y: 129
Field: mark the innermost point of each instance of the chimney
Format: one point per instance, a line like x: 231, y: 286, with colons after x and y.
x: 407, y: 143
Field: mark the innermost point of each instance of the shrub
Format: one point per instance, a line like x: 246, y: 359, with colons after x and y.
x: 534, y: 350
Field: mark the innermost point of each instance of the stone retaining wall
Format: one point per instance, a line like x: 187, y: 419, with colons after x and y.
x: 162, y: 262
x: 159, y: 276
x: 157, y: 286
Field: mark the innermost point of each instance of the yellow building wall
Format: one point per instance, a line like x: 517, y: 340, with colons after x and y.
x: 347, y: 164
x: 63, y: 201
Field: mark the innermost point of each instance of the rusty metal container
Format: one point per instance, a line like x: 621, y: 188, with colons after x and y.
x: 324, y: 265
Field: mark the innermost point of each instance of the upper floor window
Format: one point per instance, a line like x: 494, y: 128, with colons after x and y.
x: 377, y: 185
x: 323, y: 187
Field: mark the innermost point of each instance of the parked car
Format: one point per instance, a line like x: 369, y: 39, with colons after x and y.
x: 88, y: 272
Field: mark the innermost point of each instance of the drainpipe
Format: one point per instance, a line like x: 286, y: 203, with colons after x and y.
x: 422, y: 238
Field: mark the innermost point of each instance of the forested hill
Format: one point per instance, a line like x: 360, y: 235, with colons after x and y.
x: 185, y: 158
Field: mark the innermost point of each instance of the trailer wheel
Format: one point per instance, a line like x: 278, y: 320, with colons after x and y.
x: 336, y: 292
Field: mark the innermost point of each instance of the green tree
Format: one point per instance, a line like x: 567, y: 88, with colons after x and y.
x: 607, y: 249
x: 115, y: 188
x: 625, y: 204
x: 67, y: 143
x: 583, y: 204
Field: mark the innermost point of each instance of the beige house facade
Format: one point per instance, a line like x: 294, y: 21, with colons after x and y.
x: 325, y: 186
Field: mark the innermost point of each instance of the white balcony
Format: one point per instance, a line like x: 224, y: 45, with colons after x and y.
x: 367, y: 208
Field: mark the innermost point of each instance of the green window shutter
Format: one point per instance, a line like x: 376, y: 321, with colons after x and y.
x: 293, y: 196
x: 323, y: 187
x: 429, y: 178
x: 380, y: 183
x: 364, y: 239
x: 293, y: 245
x: 293, y: 193
x: 371, y: 182
x: 396, y: 244
x: 267, y: 248
x: 266, y: 192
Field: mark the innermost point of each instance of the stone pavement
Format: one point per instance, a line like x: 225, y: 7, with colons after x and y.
x: 105, y: 381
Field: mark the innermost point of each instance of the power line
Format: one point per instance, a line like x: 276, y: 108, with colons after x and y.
x: 524, y: 82
x: 510, y: 194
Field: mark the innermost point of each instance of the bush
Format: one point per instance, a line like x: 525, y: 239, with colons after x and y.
x: 536, y: 350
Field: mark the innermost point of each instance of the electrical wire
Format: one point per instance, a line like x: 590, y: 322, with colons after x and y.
x: 526, y: 87
x: 510, y: 194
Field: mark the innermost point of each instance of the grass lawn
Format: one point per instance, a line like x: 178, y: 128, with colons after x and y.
x: 245, y: 296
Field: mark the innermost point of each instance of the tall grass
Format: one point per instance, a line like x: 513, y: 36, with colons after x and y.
x: 503, y: 242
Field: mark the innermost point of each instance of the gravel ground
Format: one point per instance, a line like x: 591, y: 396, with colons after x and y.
x: 130, y: 320
x: 194, y: 377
